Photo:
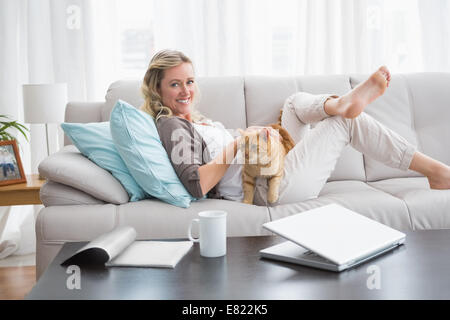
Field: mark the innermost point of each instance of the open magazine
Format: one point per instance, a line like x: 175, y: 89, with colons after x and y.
x: 118, y: 248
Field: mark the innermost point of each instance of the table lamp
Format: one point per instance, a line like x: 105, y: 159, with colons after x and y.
x: 44, y: 103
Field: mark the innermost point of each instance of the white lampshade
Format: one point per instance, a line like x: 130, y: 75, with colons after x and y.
x: 44, y: 103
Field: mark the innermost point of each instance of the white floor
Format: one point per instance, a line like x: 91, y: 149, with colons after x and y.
x: 19, y: 261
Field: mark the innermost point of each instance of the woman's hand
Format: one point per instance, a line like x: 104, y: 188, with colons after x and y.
x: 213, y: 171
x: 259, y: 129
x: 251, y: 129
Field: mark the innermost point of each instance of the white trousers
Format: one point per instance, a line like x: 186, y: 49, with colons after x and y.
x: 310, y: 163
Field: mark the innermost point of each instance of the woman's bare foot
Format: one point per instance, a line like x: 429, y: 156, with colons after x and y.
x: 353, y: 103
x: 437, y: 173
x: 440, y: 179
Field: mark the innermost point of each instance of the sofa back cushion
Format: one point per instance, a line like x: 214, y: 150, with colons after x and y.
x: 411, y: 106
x: 221, y: 99
x: 126, y: 90
x: 265, y: 96
x: 430, y: 106
x: 393, y: 109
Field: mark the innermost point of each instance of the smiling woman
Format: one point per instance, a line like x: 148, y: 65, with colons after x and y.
x: 177, y: 90
x: 114, y: 39
x: 312, y: 160
x: 169, y: 87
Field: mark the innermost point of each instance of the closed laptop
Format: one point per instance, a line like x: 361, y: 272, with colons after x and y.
x: 331, y: 237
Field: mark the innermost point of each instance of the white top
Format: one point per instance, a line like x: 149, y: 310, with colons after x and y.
x: 217, y: 138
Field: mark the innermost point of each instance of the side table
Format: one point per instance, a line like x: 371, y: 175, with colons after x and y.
x: 22, y: 193
x: 19, y: 194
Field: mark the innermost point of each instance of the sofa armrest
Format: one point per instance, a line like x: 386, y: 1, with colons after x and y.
x: 82, y: 112
x: 57, y: 194
x: 71, y: 168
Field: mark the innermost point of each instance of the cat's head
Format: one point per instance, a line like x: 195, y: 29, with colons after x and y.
x: 259, y: 146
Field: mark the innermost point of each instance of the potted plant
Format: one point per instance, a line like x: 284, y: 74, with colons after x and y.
x: 11, y: 169
x: 4, y: 135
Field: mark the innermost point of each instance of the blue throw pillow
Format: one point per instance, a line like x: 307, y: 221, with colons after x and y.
x: 137, y: 141
x: 95, y: 142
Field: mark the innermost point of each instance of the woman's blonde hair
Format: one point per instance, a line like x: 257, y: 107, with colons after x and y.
x: 153, y: 104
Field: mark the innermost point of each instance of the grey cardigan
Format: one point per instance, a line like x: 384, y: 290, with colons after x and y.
x: 187, y: 151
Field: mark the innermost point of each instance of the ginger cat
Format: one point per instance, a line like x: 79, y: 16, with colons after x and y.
x: 264, y: 157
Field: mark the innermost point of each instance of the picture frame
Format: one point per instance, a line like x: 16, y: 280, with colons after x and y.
x: 11, y: 168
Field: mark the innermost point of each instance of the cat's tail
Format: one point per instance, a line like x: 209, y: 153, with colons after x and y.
x: 279, y: 118
x: 287, y: 140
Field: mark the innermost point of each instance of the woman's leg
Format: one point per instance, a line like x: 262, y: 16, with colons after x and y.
x: 352, y: 104
x: 310, y: 163
x: 302, y: 108
x: 437, y: 173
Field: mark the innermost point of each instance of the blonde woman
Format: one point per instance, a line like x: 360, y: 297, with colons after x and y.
x: 171, y: 94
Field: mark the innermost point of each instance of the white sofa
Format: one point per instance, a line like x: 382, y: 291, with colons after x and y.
x: 417, y: 106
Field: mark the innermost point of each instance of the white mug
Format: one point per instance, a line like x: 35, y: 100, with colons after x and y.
x: 212, y: 233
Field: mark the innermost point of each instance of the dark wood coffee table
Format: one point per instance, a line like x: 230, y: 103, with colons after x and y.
x: 420, y: 269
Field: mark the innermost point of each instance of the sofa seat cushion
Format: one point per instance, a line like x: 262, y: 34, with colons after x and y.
x: 70, y: 167
x: 428, y: 208
x: 154, y: 219
x: 356, y: 196
x: 59, y: 224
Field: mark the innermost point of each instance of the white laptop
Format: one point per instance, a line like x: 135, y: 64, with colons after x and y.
x: 330, y: 237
